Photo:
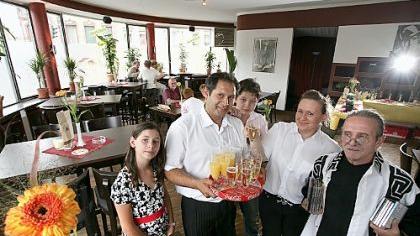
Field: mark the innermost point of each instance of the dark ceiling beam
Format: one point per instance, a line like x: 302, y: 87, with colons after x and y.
x: 379, y: 13
x: 115, y: 13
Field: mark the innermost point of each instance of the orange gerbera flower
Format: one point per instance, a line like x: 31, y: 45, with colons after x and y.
x: 49, y: 209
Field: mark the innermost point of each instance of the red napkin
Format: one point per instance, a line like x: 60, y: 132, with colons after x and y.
x: 89, y: 146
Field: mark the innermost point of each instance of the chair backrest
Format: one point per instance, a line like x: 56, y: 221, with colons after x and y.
x: 35, y: 116
x: 274, y: 99
x: 405, y: 158
x: 102, y: 123
x: 39, y: 129
x: 50, y: 114
x: 97, y: 111
x: 104, y: 181
x: 100, y: 90
x: 84, y: 196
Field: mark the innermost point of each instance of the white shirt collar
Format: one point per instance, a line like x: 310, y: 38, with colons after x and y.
x: 207, y: 121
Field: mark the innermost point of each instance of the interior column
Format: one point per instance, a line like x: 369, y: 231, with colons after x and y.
x: 150, y: 32
x: 44, y: 43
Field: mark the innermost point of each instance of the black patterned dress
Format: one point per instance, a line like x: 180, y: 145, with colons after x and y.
x: 144, y: 201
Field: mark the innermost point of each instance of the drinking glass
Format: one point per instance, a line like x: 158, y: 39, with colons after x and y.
x: 214, y: 169
x: 231, y: 175
x: 246, y: 174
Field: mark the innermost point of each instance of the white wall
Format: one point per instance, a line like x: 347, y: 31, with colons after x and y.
x: 270, y: 82
x: 364, y: 41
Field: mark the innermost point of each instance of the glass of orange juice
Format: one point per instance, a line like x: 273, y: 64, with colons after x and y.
x: 214, y: 169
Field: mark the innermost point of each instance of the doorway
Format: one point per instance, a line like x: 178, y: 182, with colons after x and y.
x: 310, y: 63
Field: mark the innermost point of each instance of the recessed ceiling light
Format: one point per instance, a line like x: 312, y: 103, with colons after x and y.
x: 204, y: 3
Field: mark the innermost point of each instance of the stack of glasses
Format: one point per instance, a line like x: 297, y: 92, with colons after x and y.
x: 315, y: 196
x: 386, y: 211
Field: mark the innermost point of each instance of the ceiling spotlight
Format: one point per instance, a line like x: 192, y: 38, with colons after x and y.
x: 204, y: 3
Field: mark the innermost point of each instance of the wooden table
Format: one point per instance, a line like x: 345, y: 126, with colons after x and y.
x: 16, y: 159
x: 21, y: 108
x: 58, y: 102
x: 107, y: 100
x: 169, y: 115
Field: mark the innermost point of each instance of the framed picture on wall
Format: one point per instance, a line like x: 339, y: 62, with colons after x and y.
x: 264, y: 58
x: 407, y: 40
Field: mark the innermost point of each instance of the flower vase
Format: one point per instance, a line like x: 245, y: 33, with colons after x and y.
x: 80, y: 142
x: 83, y: 94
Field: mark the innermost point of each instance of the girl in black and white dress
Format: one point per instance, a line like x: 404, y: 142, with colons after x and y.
x: 139, y: 194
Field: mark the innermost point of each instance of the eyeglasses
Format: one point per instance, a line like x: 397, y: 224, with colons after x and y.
x: 360, y: 140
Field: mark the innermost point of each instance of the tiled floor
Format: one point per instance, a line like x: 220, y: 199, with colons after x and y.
x: 389, y: 151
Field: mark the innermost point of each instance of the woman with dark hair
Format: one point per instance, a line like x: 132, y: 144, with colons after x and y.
x: 291, y: 150
x: 139, y: 194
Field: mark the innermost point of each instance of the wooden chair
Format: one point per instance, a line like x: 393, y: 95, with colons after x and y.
x: 405, y: 158
x: 102, y: 123
x: 273, y: 112
x: 97, y: 111
x: 274, y: 97
x: 100, y: 90
x: 50, y: 114
x: 39, y: 129
x: 104, y: 181
x: 84, y: 196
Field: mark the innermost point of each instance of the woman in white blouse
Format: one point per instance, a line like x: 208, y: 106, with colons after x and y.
x: 291, y: 149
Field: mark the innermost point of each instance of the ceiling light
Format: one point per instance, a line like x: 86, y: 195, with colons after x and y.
x: 204, y: 3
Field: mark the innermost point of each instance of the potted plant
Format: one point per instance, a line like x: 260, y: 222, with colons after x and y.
x: 132, y: 54
x: 230, y: 54
x: 71, y: 66
x: 109, y: 49
x: 182, y: 58
x: 37, y: 65
x: 209, y: 57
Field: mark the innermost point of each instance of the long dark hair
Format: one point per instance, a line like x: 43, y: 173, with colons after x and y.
x: 157, y: 162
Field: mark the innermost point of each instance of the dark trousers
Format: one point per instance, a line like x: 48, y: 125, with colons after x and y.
x: 250, y: 213
x: 207, y: 218
x: 280, y: 219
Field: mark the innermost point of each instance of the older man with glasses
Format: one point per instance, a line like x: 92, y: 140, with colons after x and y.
x: 357, y: 179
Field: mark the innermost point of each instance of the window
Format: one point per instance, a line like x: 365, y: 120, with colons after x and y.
x: 88, y: 56
x: 6, y: 89
x: 196, y: 44
x: 162, y: 48
x: 137, y: 37
x: 71, y: 34
x: 22, y: 50
x: 89, y: 34
x: 59, y: 48
x: 119, y: 32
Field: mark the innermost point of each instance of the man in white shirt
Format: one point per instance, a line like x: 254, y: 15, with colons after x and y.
x: 190, y: 104
x: 191, y: 142
x: 291, y: 149
x: 151, y: 76
x: 148, y: 74
x: 357, y: 179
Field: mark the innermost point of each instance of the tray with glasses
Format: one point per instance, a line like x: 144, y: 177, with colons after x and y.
x: 235, y: 179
